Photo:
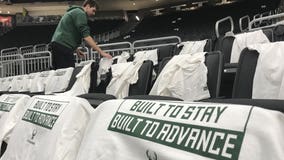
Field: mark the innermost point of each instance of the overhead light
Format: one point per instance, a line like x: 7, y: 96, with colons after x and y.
x: 137, y: 18
x: 263, y: 6
x: 126, y: 37
x: 8, y: 12
x: 225, y: 2
x: 157, y: 11
x: 176, y: 29
x: 134, y: 3
x: 178, y: 7
x: 199, y: 4
x: 0, y: 11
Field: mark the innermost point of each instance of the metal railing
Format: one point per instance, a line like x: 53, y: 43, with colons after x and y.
x: 113, y: 49
x: 147, y: 44
x: 37, y: 61
x: 13, y: 63
x: 9, y: 51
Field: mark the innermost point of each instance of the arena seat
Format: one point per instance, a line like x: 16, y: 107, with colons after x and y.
x: 244, y: 77
x: 214, y: 63
x: 123, y: 129
x: 140, y: 88
x: 73, y: 77
x: 56, y: 132
x: 278, y: 33
x: 249, y: 61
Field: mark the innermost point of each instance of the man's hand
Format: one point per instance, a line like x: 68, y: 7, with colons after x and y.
x: 80, y: 54
x: 104, y: 54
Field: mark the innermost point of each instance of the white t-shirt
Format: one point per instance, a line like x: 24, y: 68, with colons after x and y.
x: 39, y: 82
x: 15, y: 85
x: 268, y: 80
x: 51, y: 129
x: 184, y: 77
x: 151, y: 55
x: 123, y: 74
x: 82, y: 84
x: 12, y: 108
x: 2, y: 83
x: 164, y: 130
x: 242, y: 40
x: 192, y: 47
x: 122, y: 58
x: 27, y: 81
x: 104, y: 67
x: 59, y: 81
x: 6, y: 83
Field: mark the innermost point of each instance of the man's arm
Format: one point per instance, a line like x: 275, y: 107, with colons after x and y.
x: 93, y: 44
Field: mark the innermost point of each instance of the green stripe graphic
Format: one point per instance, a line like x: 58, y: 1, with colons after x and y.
x: 40, y: 118
x: 6, y: 107
x: 221, y: 144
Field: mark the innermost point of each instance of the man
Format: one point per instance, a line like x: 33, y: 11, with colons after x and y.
x: 72, y: 27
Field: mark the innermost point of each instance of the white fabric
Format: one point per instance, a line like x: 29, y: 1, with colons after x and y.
x: 83, y: 63
x: 191, y: 47
x: 5, y: 86
x: 27, y: 82
x: 123, y: 74
x: 51, y: 129
x: 2, y: 80
x: 82, y: 84
x: 140, y: 129
x: 151, y: 55
x: 12, y: 108
x: 39, y: 82
x: 184, y: 77
x: 243, y: 40
x: 16, y: 84
x: 268, y: 80
x: 122, y: 58
x: 104, y: 67
x: 59, y: 81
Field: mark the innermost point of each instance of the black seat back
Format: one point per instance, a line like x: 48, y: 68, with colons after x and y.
x: 73, y: 77
x: 245, y: 74
x: 208, y: 46
x: 269, y: 34
x: 225, y: 44
x: 105, y: 79
x: 166, y: 51
x: 278, y: 33
x: 143, y: 85
x: 214, y: 62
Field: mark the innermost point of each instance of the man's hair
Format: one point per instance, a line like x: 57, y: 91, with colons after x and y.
x: 92, y: 3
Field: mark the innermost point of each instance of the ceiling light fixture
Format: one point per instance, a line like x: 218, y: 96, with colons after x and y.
x: 137, y: 18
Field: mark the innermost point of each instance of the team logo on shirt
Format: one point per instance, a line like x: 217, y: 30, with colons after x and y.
x: 151, y: 155
x: 31, y: 140
x: 34, y: 133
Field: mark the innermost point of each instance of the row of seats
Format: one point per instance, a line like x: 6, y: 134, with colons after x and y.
x: 231, y: 46
x: 62, y: 127
x: 213, y: 61
x: 102, y: 122
x: 46, y: 82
